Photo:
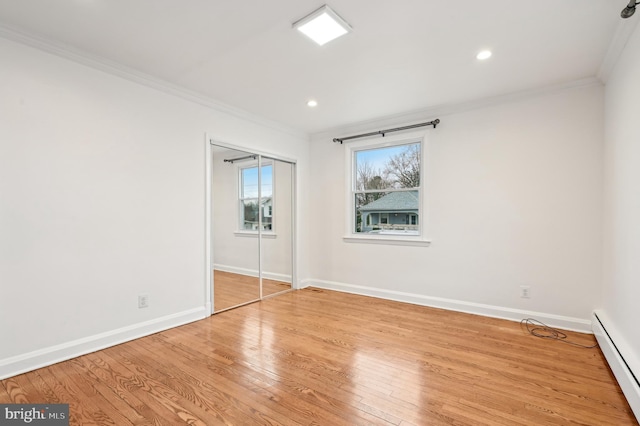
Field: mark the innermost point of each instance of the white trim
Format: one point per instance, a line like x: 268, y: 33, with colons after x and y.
x: 114, y: 68
x: 249, y: 150
x: 294, y: 225
x: 253, y: 273
x: 620, y: 358
x: 47, y: 356
x: 566, y: 323
x: 438, y: 111
x: 119, y: 70
x: 247, y: 233
x: 305, y: 283
x: 260, y: 250
x: 208, y: 229
x: 618, y: 42
x: 388, y: 240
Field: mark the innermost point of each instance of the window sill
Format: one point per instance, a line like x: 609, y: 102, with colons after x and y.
x: 395, y: 240
x: 254, y: 234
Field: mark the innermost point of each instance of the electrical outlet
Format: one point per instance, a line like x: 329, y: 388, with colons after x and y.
x: 143, y: 301
x: 525, y: 291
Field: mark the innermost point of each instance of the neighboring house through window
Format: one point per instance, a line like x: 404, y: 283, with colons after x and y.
x: 251, y: 203
x: 394, y: 211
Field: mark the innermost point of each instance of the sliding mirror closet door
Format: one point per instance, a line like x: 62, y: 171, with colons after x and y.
x: 277, y: 242
x: 235, y: 199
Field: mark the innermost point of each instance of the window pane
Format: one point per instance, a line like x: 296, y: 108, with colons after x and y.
x: 249, y: 198
x: 267, y: 213
x: 389, y: 212
x: 267, y: 181
x: 388, y: 167
x: 249, y: 188
x: 249, y: 214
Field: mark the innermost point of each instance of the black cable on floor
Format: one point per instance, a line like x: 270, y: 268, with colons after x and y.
x: 539, y: 329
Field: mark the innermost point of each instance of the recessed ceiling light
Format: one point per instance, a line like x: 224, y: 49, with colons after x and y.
x: 312, y: 103
x: 485, y: 54
x: 322, y: 25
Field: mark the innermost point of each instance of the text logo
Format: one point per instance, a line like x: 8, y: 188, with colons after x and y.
x: 34, y: 414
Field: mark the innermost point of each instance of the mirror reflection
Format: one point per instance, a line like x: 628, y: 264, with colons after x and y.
x: 277, y: 264
x: 252, y: 226
x: 236, y: 261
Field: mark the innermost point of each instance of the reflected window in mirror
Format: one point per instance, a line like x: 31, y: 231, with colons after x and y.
x: 253, y: 202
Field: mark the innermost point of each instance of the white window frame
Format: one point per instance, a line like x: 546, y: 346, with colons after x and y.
x: 351, y: 236
x: 251, y: 232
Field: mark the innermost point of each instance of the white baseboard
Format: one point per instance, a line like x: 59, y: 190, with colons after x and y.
x: 620, y: 358
x: 19, y: 364
x: 566, y: 323
x: 305, y: 283
x: 253, y: 273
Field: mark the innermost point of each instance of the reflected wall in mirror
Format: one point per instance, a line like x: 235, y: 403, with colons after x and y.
x: 235, y: 249
x: 277, y: 243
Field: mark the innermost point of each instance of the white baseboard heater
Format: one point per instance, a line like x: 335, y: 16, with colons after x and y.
x: 626, y: 377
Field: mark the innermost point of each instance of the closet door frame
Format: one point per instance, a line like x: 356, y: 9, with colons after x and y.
x: 209, y: 141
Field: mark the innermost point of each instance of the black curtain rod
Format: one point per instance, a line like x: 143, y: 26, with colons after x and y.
x: 433, y: 123
x: 252, y: 156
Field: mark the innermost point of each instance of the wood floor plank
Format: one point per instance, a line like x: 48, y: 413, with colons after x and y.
x: 194, y: 388
x: 252, y: 388
x: 20, y: 390
x: 147, y: 402
x: 81, y: 410
x: 316, y: 357
x: 120, y: 390
x: 158, y: 396
x: 4, y: 395
x: 290, y: 390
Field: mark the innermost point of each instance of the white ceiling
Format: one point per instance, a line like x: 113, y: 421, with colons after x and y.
x: 402, y: 56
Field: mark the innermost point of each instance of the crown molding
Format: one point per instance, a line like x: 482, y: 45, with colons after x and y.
x: 618, y: 43
x: 623, y: 33
x: 448, y: 109
x: 119, y: 70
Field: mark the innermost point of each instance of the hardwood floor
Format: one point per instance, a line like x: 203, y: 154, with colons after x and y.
x: 235, y: 289
x: 316, y: 357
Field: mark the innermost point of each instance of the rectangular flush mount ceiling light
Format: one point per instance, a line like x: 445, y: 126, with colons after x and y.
x: 322, y: 25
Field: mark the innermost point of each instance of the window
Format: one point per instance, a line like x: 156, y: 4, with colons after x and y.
x: 386, y: 189
x: 250, y: 204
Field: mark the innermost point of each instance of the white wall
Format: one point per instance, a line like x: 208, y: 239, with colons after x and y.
x: 515, y: 199
x: 102, y: 198
x: 277, y: 252
x: 621, y: 290
x: 230, y: 251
